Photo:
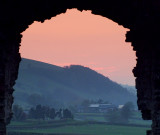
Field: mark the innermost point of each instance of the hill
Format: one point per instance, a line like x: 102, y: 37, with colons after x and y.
x: 131, y: 89
x: 44, y: 83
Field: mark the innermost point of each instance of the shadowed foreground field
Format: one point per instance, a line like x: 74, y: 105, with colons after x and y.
x: 86, y: 124
x: 90, y: 129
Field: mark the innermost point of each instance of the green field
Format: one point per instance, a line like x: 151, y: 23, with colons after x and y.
x: 92, y: 130
x: 135, y: 119
x: 95, y: 125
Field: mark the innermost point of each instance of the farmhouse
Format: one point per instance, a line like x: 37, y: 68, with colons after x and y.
x: 101, y: 107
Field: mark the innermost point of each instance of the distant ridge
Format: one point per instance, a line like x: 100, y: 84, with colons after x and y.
x: 131, y: 89
x: 44, y: 83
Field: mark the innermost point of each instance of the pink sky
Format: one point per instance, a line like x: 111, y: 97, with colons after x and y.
x: 84, y: 39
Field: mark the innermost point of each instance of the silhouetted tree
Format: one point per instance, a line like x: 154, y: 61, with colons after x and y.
x: 18, y: 113
x: 67, y: 114
x: 59, y: 114
x: 85, y: 104
x: 100, y: 101
x: 122, y: 115
x: 52, y: 113
x: 42, y: 112
x: 73, y: 109
x: 127, y: 111
x: 46, y: 111
x: 113, y: 116
x: 32, y: 113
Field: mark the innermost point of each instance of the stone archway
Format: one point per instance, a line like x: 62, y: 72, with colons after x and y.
x: 141, y: 17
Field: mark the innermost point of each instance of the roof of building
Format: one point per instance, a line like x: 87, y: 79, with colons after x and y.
x: 94, y: 105
x: 120, y: 106
x: 101, y: 105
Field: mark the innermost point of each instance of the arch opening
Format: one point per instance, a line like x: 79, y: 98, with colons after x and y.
x: 93, y: 30
x: 92, y: 63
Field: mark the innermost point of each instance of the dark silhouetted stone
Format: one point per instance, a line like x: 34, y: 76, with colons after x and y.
x: 142, y: 17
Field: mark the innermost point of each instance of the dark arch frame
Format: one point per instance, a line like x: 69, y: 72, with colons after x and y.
x: 140, y: 16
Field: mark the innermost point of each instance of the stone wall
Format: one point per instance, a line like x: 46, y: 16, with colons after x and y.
x: 140, y: 16
x: 9, y: 63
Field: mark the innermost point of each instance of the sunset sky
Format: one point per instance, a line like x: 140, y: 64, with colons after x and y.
x: 84, y: 39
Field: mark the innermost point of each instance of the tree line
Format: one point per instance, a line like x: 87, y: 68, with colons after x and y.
x: 120, y: 115
x: 40, y: 112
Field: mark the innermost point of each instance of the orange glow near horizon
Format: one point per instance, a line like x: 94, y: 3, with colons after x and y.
x: 81, y: 38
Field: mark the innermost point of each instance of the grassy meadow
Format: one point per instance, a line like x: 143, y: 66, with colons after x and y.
x: 90, y: 129
x: 84, y: 124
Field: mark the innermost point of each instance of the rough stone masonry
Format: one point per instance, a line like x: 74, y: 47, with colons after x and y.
x: 142, y: 17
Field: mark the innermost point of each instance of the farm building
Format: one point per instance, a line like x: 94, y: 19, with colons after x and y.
x: 101, y: 107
